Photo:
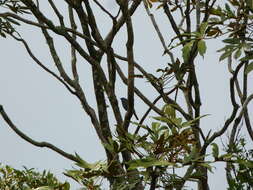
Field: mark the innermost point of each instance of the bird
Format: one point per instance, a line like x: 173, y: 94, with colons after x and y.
x: 124, y: 102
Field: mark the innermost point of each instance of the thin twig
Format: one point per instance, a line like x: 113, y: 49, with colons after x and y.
x: 57, y: 12
x: 152, y: 18
x: 73, y: 50
x: 104, y: 10
x: 43, y: 66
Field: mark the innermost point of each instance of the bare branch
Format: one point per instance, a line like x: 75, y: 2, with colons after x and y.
x: 29, y: 22
x: 145, y: 115
x: 187, y: 16
x: 56, y: 58
x: 57, y: 12
x: 130, y: 59
x: 73, y: 51
x: 104, y: 10
x: 33, y: 142
x: 234, y: 112
x: 43, y: 66
x: 166, y: 50
x: 93, y: 25
x: 147, y: 75
x: 172, y: 21
x: 109, y: 38
x: 237, y: 85
x: 245, y: 104
x: 139, y: 93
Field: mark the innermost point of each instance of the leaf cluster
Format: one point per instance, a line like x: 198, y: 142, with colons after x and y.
x: 29, y: 179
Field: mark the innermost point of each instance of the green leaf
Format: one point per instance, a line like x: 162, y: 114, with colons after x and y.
x: 226, y: 54
x: 191, y: 122
x: 112, y: 146
x: 203, y: 27
x: 246, y: 58
x: 173, y: 121
x: 148, y: 162
x: 215, y: 150
x: 238, y: 53
x: 229, y: 11
x: 246, y: 163
x: 187, y: 159
x: 66, y: 186
x: 249, y: 3
x: 225, y: 48
x: 12, y: 21
x: 232, y: 40
x: 82, y: 163
x: 206, y: 165
x: 202, y: 47
x: 249, y: 68
x: 217, y: 11
x: 226, y: 156
x: 109, y: 147
x: 75, y: 174
x: 214, y: 19
x: 44, y: 188
x: 169, y: 111
x: 155, y: 126
x: 186, y: 51
x: 196, y: 175
x: 2, y: 34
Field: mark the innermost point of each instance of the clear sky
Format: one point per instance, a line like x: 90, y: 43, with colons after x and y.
x: 42, y: 108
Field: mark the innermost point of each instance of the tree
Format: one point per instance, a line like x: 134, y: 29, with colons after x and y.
x: 147, y: 157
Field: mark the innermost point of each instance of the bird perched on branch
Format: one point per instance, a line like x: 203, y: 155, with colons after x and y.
x: 124, y: 102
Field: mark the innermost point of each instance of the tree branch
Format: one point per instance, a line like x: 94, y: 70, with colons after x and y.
x: 43, y: 66
x: 152, y: 18
x: 33, y: 142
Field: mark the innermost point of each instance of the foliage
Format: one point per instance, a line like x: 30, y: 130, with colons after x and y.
x: 241, y: 172
x: 28, y: 179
